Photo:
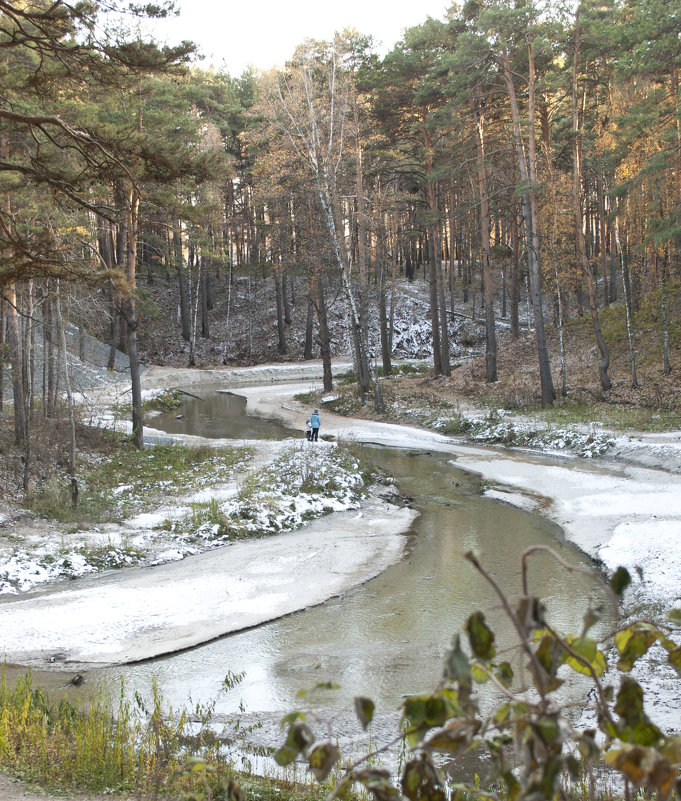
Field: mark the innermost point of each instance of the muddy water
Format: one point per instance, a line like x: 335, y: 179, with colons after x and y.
x: 388, y: 637
x: 218, y: 414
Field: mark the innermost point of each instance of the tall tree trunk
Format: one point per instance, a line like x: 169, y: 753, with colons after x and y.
x: 365, y: 370
x: 553, y: 253
x: 47, y: 348
x: 382, y: 309
x: 665, y: 323
x: 577, y: 120
x: 279, y: 298
x: 452, y: 249
x: 627, y: 305
x: 203, y: 280
x: 435, y: 316
x: 29, y: 373
x: 129, y: 233
x: 16, y: 365
x: 434, y: 283
x: 613, y: 265
x: 178, y: 261
x: 442, y: 305
x: 286, y: 281
x: 69, y: 400
x: 106, y: 254
x: 487, y: 277
x: 603, y: 240
x: 362, y: 266
x: 527, y: 167
x: 2, y: 348
x: 309, y: 322
x: 324, y: 337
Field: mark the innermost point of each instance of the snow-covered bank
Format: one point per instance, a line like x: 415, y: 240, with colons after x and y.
x: 144, y: 612
x: 616, y: 512
x: 614, y: 509
x: 126, y: 617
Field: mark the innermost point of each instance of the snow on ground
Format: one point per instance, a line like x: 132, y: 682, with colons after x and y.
x: 139, y: 614
x: 284, y: 486
x: 602, y: 505
x: 619, y: 510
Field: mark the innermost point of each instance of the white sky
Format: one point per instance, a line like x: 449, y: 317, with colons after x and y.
x: 264, y: 33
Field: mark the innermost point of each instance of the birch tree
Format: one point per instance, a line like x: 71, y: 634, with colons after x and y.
x: 309, y: 104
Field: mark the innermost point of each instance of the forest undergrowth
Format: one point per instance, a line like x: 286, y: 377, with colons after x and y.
x: 653, y: 405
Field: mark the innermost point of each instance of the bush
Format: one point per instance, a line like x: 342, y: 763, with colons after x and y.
x: 528, y: 740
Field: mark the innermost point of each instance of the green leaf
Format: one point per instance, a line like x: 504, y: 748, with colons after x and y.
x: 424, y: 712
x: 292, y: 717
x: 633, y: 643
x: 674, y: 615
x: 629, y: 706
x: 587, y: 649
x: 674, y: 659
x: 551, y: 654
x: 480, y: 675
x: 285, y: 756
x: 544, y: 681
x: 322, y: 759
x: 457, y: 667
x: 421, y: 782
x: 480, y: 636
x: 547, y: 728
x: 587, y: 747
x: 364, y: 708
x: 455, y: 735
x: 531, y: 613
x: 620, y: 580
x: 574, y: 767
x: 629, y: 703
x: 378, y: 783
x: 504, y: 674
x: 298, y: 740
x: 591, y: 617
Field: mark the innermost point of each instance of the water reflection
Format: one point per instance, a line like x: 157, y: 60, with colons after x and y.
x: 219, y: 415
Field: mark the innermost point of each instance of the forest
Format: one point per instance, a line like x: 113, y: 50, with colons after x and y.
x: 499, y: 197
x: 521, y: 160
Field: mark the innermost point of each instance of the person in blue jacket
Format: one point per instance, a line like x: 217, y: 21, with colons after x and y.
x: 315, y: 422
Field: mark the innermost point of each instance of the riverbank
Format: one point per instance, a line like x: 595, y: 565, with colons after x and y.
x: 602, y: 504
x: 621, y: 509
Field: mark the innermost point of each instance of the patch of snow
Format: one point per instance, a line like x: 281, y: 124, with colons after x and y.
x: 518, y: 499
x: 121, y: 488
x: 651, y: 545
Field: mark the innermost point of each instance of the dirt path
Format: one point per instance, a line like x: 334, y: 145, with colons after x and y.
x: 15, y: 790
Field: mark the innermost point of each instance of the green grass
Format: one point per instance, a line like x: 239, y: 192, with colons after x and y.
x: 145, y: 474
x: 266, y: 501
x: 311, y: 397
x: 138, y: 747
x: 615, y: 417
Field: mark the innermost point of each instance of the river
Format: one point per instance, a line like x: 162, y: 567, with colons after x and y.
x: 386, y: 638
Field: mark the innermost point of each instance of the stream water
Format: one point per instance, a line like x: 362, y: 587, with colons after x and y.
x: 386, y: 638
